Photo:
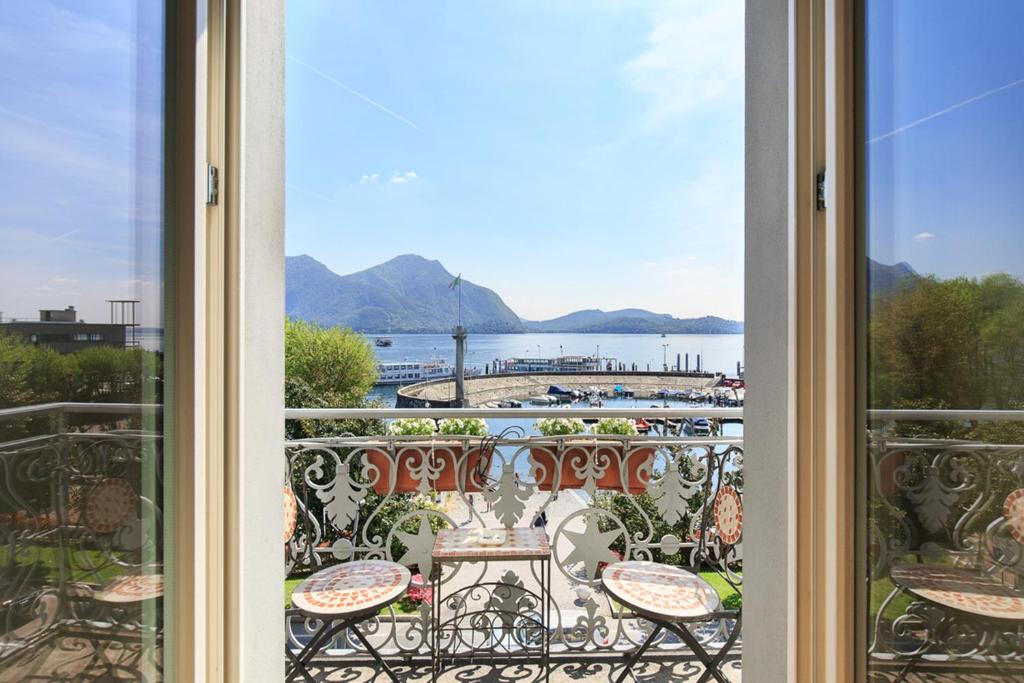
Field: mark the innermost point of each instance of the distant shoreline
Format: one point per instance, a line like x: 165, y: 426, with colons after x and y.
x: 639, y: 334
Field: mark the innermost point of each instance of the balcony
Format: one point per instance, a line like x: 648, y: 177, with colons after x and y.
x: 650, y: 508
x: 59, y: 557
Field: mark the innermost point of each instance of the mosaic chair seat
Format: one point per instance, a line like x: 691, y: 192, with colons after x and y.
x: 673, y: 597
x: 988, y: 597
x: 339, y: 598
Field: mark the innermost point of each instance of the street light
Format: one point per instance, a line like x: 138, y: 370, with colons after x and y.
x: 664, y: 357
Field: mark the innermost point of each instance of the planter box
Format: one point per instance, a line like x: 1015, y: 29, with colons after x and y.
x: 446, y: 455
x: 577, y: 455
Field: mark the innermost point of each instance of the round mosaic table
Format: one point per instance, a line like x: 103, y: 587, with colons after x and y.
x: 960, y: 590
x: 352, y: 588
x: 669, y: 593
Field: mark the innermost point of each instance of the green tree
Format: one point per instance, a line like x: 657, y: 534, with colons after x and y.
x: 336, y: 364
x: 15, y: 370
x: 925, y: 344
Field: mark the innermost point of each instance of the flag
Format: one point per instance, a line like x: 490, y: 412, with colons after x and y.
x: 457, y: 282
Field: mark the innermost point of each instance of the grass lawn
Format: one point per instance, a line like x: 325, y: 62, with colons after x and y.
x: 720, y: 585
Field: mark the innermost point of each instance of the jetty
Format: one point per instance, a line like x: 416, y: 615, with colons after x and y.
x: 495, y: 388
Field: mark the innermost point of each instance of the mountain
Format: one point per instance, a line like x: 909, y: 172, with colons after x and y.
x: 406, y: 294
x: 883, y: 279
x: 634, y: 321
x: 411, y: 294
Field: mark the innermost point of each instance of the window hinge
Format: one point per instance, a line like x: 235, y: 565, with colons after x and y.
x: 212, y: 185
x: 820, y: 196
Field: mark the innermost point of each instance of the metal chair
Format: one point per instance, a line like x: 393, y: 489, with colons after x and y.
x: 672, y: 597
x: 341, y: 597
x: 979, y: 597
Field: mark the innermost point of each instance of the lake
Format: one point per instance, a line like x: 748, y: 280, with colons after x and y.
x: 719, y: 352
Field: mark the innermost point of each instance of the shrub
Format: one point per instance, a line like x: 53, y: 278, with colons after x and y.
x: 560, y: 426
x: 335, y: 363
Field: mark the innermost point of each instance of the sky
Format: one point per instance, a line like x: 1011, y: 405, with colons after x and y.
x: 945, y: 135
x: 81, y: 156
x: 567, y: 154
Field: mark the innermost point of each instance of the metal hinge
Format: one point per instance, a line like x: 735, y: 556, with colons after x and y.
x: 820, y: 196
x: 212, y: 185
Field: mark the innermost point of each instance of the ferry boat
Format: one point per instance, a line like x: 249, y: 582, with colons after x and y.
x: 410, y: 372
x: 558, y: 364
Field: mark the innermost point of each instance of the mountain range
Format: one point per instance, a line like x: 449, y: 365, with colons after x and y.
x: 412, y: 294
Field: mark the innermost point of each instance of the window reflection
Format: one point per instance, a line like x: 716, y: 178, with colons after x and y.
x: 944, y: 161
x: 81, y: 351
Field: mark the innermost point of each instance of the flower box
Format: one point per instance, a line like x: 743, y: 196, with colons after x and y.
x: 411, y: 457
x: 604, y: 455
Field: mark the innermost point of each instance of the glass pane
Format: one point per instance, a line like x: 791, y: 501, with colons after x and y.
x: 82, y: 253
x: 943, y: 153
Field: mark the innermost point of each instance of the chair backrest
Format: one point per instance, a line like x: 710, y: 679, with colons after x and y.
x: 718, y: 524
x: 1004, y: 539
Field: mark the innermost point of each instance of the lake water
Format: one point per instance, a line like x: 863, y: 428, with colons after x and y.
x: 719, y: 352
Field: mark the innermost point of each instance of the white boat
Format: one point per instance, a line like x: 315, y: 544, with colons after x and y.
x: 410, y: 372
x: 543, y: 400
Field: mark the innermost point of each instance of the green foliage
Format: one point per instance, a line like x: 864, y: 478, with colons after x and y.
x: 412, y: 426
x: 327, y: 368
x: 31, y: 374
x: 469, y: 426
x: 337, y: 365
x: 955, y: 343
x: 616, y: 425
x: 560, y: 426
x: 635, y: 511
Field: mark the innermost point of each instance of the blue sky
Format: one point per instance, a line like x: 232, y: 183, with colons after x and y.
x: 80, y: 156
x: 566, y: 154
x: 945, y: 85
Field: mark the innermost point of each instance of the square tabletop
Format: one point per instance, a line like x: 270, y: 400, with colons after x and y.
x: 463, y: 545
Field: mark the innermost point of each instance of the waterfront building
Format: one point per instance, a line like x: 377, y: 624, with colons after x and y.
x: 61, y: 330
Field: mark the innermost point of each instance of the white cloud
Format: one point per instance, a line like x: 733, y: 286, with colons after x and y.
x: 369, y: 178
x: 694, y: 57
x: 399, y: 177
x: 923, y: 236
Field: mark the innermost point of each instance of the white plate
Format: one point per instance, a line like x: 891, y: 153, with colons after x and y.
x: 492, y: 537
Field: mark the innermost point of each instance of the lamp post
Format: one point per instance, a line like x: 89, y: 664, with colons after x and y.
x: 664, y: 357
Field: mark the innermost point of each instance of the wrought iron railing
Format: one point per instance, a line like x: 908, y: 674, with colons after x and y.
x: 80, y: 508
x: 603, y: 497
x: 937, y: 481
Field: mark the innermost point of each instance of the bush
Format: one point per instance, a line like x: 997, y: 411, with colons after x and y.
x: 337, y: 365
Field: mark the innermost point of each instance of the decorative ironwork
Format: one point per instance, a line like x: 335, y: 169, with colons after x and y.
x: 344, y: 514
x: 81, y: 525
x: 944, y: 555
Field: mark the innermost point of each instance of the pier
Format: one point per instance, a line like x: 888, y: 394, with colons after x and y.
x: 483, y: 389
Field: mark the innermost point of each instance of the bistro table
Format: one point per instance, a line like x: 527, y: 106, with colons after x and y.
x: 508, y: 617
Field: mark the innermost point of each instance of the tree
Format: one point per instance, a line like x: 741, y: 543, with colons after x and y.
x: 335, y: 364
x: 924, y: 344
